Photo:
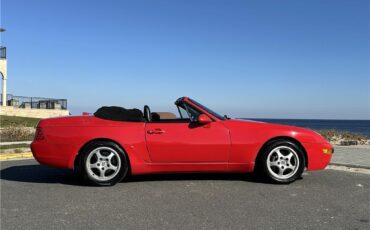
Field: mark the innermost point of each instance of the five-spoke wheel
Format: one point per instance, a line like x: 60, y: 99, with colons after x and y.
x: 281, y: 161
x: 104, y: 163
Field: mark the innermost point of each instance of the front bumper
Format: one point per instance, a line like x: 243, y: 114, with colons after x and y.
x: 318, y: 154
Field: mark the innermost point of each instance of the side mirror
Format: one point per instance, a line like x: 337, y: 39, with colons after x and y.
x: 204, y: 119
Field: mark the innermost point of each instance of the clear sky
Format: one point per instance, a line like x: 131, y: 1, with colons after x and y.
x: 266, y: 59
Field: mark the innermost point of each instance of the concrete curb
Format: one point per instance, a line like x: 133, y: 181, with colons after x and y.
x: 350, y: 165
x: 15, y: 156
x: 348, y: 169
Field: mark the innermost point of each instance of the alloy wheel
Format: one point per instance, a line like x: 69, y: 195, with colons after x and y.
x: 283, y: 162
x: 103, y: 163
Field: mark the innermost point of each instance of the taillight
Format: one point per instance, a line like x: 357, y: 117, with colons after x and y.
x: 39, y: 135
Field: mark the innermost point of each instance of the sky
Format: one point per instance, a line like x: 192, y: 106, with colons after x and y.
x: 255, y: 59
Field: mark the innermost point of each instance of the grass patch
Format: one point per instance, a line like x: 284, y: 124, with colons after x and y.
x: 14, y: 146
x: 11, y: 121
x: 18, y: 151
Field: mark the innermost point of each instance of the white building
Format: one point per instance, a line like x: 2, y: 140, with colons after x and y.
x: 3, y: 71
x: 27, y: 106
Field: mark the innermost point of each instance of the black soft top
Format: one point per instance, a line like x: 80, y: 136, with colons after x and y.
x: 116, y: 113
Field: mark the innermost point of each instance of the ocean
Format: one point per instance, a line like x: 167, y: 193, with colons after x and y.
x: 355, y: 126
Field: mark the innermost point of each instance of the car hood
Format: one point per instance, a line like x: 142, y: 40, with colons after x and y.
x: 272, y: 125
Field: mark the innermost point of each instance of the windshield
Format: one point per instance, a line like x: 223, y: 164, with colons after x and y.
x: 208, y: 110
x: 188, y: 112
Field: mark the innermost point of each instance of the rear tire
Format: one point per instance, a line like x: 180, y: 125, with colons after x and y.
x: 281, y: 162
x: 103, y: 163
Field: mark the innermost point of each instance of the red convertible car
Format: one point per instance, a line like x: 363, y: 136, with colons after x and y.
x: 114, y: 142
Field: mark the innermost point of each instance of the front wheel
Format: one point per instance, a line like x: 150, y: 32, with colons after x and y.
x: 103, y: 163
x: 282, y: 162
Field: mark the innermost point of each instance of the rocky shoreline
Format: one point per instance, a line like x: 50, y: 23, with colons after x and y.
x: 344, y: 138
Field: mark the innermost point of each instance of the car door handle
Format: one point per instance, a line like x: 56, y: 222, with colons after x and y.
x: 156, y: 131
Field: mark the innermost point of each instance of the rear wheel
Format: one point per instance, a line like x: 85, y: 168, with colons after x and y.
x: 103, y: 163
x: 282, y: 162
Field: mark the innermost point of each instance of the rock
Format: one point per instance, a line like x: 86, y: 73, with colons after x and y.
x: 348, y: 142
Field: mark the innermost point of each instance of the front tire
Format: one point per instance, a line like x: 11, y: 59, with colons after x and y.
x: 103, y: 163
x: 281, y: 162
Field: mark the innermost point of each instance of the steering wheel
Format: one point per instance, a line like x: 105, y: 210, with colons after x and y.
x: 147, y: 114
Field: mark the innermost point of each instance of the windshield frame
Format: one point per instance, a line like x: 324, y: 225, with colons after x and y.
x: 208, y: 110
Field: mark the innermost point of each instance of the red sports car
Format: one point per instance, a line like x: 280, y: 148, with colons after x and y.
x: 114, y: 142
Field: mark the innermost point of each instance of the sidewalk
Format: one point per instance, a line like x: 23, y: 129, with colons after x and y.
x: 16, y: 153
x: 351, y: 156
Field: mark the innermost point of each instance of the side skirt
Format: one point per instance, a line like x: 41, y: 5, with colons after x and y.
x: 148, y: 168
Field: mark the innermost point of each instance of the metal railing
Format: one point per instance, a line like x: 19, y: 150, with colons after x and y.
x: 2, y: 52
x: 36, y: 102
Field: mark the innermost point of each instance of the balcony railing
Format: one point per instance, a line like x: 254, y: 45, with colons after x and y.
x: 2, y: 52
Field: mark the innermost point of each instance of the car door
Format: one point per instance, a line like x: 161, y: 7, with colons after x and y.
x: 186, y: 142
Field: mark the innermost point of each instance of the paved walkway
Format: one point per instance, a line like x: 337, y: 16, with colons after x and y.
x: 351, y: 156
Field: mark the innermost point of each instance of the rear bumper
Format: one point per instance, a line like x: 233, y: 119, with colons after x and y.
x: 318, y: 155
x: 51, y: 155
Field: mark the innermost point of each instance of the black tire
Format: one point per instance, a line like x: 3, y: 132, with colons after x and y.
x: 268, y: 173
x: 121, y: 171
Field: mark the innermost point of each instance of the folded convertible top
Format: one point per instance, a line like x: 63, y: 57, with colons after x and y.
x: 115, y: 113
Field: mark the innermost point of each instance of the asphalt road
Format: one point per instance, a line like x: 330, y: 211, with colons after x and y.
x: 38, y: 197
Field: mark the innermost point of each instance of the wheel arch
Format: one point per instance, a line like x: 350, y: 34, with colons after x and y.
x: 280, y: 138
x: 80, y: 151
